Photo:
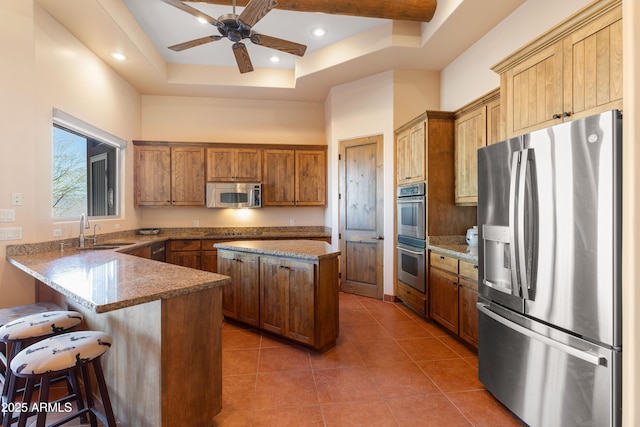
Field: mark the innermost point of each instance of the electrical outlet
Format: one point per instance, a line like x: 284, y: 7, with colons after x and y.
x: 292, y: 221
x: 196, y: 223
x: 57, y: 232
x: 117, y: 226
x: 16, y: 199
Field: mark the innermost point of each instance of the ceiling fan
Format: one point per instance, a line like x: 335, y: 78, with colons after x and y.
x: 238, y: 27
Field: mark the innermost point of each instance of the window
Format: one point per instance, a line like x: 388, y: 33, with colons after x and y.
x: 86, y: 164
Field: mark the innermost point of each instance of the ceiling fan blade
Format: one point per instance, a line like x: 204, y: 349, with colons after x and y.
x: 255, y: 11
x: 279, y: 44
x: 195, y: 12
x: 193, y: 43
x: 242, y: 57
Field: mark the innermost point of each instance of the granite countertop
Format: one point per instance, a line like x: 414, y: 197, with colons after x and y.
x: 105, y: 280
x: 302, y: 249
x: 108, y: 279
x: 454, y: 246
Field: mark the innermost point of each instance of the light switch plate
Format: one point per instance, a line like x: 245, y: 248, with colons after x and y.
x: 7, y: 215
x: 14, y: 233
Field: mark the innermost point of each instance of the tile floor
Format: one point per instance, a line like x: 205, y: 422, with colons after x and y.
x: 389, y: 368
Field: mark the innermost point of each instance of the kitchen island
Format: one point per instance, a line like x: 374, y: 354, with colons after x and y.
x: 165, y: 365
x: 288, y: 288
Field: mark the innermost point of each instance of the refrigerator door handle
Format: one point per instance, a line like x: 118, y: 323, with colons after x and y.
x: 513, y: 181
x: 520, y: 243
x: 580, y: 354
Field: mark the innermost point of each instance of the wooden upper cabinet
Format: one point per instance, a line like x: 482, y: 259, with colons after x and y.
x: 573, y: 70
x: 152, y: 182
x: 187, y: 176
x: 477, y: 125
x: 471, y: 134
x: 311, y: 177
x: 234, y: 164
x: 294, y: 178
x: 410, y: 154
x: 593, y: 66
x: 278, y: 188
x: 166, y: 176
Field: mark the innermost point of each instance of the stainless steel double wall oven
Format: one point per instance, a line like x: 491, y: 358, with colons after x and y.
x: 411, y: 248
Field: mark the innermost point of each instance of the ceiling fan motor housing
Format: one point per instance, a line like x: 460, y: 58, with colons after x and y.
x: 232, y: 28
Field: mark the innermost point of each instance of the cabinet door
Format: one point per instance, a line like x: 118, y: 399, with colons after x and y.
x: 300, y: 306
x: 470, y: 135
x: 152, y: 180
x: 495, y: 131
x: 226, y: 264
x: 311, y: 177
x: 468, y: 312
x: 593, y: 66
x: 410, y: 155
x: 443, y: 299
x: 534, y: 91
x: 210, y: 261
x: 221, y: 164
x: 187, y: 176
x: 278, y: 188
x: 240, y: 299
x: 249, y: 165
x: 189, y: 259
x: 273, y: 286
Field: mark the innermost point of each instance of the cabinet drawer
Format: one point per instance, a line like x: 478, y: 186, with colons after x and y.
x: 184, y: 245
x: 469, y: 270
x: 413, y: 298
x: 444, y: 262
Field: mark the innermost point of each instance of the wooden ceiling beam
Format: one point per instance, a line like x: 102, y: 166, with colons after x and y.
x: 402, y: 10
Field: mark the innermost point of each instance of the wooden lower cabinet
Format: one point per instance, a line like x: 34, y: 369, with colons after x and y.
x: 185, y: 253
x: 443, y: 299
x: 240, y: 299
x: 295, y: 299
x: 413, y: 298
x: 453, y: 294
x: 468, y: 297
x: 287, y: 306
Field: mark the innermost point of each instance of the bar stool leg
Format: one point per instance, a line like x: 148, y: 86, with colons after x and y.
x: 44, y: 397
x: 27, y: 395
x: 104, y: 393
x: 72, y: 380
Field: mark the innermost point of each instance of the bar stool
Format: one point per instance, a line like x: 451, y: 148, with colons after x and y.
x: 19, y: 333
x: 62, y: 355
x: 12, y: 313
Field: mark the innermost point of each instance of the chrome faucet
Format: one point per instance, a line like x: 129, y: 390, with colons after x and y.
x: 84, y: 225
x: 94, y: 239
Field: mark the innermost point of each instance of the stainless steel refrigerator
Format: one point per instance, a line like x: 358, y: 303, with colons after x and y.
x: 550, y: 325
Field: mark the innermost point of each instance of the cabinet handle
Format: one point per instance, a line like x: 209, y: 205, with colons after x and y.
x: 556, y: 116
x: 566, y: 114
x: 441, y: 257
x: 285, y: 267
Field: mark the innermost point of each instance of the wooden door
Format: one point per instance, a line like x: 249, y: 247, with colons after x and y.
x: 247, y: 274
x: 248, y: 165
x: 311, y: 178
x: 468, y: 312
x: 152, y: 177
x: 221, y: 164
x: 187, y: 176
x: 593, y: 67
x: 361, y: 216
x: 226, y: 266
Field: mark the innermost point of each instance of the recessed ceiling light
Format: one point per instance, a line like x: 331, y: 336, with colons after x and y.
x: 319, y: 32
x: 274, y: 58
x: 119, y: 56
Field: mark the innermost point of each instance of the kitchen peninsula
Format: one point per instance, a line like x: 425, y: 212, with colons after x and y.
x: 288, y: 288
x: 164, y: 368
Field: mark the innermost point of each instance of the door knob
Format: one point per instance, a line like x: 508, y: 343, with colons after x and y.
x: 378, y: 238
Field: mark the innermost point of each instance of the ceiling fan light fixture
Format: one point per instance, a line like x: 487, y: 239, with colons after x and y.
x: 201, y: 20
x: 319, y: 32
x: 274, y: 59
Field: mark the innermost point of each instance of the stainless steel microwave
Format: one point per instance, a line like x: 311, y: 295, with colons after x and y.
x: 234, y: 195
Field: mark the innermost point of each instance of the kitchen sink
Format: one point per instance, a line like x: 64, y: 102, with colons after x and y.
x: 101, y: 246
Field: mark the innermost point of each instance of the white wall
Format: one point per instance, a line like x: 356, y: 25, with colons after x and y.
x: 42, y: 67
x: 469, y: 76
x: 367, y: 107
